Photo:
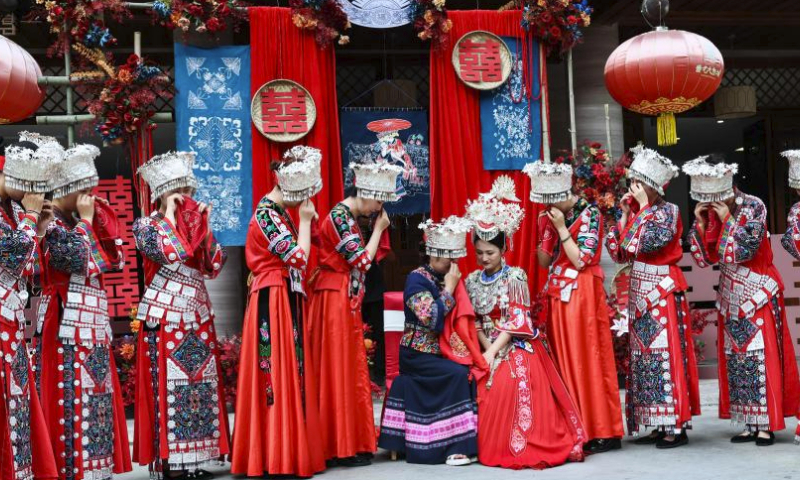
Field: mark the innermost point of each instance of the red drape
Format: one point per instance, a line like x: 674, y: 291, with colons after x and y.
x: 278, y: 49
x: 457, y: 172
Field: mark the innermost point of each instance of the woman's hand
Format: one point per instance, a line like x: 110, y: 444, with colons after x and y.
x: 452, y: 278
x: 307, y: 211
x: 699, y: 214
x: 489, y: 356
x: 722, y: 210
x: 625, y: 203
x: 557, y: 217
x: 382, y: 222
x: 640, y: 195
x: 85, y: 207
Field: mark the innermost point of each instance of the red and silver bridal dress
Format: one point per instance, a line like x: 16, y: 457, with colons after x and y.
x: 758, y: 376
x: 662, y: 391
x: 526, y: 418
x: 337, y: 353
x: 180, y: 419
x: 578, y: 326
x: 78, y: 379
x: 277, y: 426
x: 25, y: 449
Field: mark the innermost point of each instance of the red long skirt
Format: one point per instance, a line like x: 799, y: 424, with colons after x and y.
x: 281, y: 438
x: 579, y: 333
x: 526, y: 419
x: 338, y: 356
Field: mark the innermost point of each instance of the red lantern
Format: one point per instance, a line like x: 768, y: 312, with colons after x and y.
x: 662, y: 73
x: 20, y: 95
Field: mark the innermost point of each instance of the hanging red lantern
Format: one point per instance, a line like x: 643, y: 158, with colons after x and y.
x: 662, y: 73
x: 20, y: 94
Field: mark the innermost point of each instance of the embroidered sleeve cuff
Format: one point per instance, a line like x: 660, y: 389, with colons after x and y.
x: 171, y: 244
x: 448, y: 301
x: 727, y: 239
x: 697, y: 248
x: 631, y: 235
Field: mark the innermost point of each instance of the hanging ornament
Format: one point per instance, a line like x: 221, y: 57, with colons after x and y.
x: 482, y: 60
x: 283, y: 111
x: 20, y: 94
x: 662, y: 73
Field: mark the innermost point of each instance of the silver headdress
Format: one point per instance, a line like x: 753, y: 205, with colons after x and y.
x: 497, y: 211
x: 446, y: 239
x: 376, y: 180
x: 710, y: 183
x: 651, y: 168
x: 550, y: 182
x: 167, y: 172
x: 301, y: 179
x: 794, y: 167
x: 32, y: 171
x: 77, y: 171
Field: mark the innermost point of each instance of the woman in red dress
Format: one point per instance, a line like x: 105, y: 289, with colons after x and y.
x: 25, y: 172
x: 526, y: 418
x: 277, y: 428
x: 578, y: 325
x: 758, y: 379
x: 662, y: 395
x: 181, y: 421
x: 338, y: 357
x: 79, y: 386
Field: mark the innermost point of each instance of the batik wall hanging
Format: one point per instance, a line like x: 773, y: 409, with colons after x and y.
x: 213, y: 120
x: 511, y: 121
x: 398, y: 136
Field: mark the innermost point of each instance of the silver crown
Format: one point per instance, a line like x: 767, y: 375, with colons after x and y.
x: 710, y: 183
x: 550, y: 182
x: 651, y: 168
x: 169, y: 171
x: 376, y: 180
x: 37, y: 138
x: 301, y: 179
x: 77, y: 171
x: 32, y: 171
x: 794, y: 167
x: 491, y: 215
x: 446, y: 239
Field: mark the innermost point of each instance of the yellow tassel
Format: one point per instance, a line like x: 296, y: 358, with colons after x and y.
x: 667, y: 130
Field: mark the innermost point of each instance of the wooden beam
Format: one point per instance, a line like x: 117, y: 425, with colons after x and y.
x: 724, y: 18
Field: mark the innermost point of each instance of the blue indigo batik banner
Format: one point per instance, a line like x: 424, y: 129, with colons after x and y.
x: 398, y: 136
x: 213, y: 120
x: 511, y: 129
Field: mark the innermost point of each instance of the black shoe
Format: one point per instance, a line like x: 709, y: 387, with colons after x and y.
x: 354, y: 461
x: 602, y: 445
x: 651, y: 439
x: 678, y: 441
x: 750, y: 437
x: 765, y: 442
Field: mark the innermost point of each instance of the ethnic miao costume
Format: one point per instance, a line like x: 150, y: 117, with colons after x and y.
x: 662, y: 388
x: 578, y: 325
x: 526, y: 418
x: 337, y: 352
x: 78, y: 378
x: 277, y: 426
x: 180, y: 406
x: 25, y: 449
x: 758, y: 375
x: 791, y: 239
x: 431, y: 410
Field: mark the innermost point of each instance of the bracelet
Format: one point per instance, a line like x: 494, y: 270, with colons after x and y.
x: 565, y: 240
x: 34, y: 212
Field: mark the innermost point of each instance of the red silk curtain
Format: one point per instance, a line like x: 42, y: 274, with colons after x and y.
x: 457, y: 173
x: 278, y: 49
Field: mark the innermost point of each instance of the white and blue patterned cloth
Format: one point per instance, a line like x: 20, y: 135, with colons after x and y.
x: 213, y: 120
x: 510, y: 137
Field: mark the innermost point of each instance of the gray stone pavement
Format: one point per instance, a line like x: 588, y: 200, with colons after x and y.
x: 709, y: 456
